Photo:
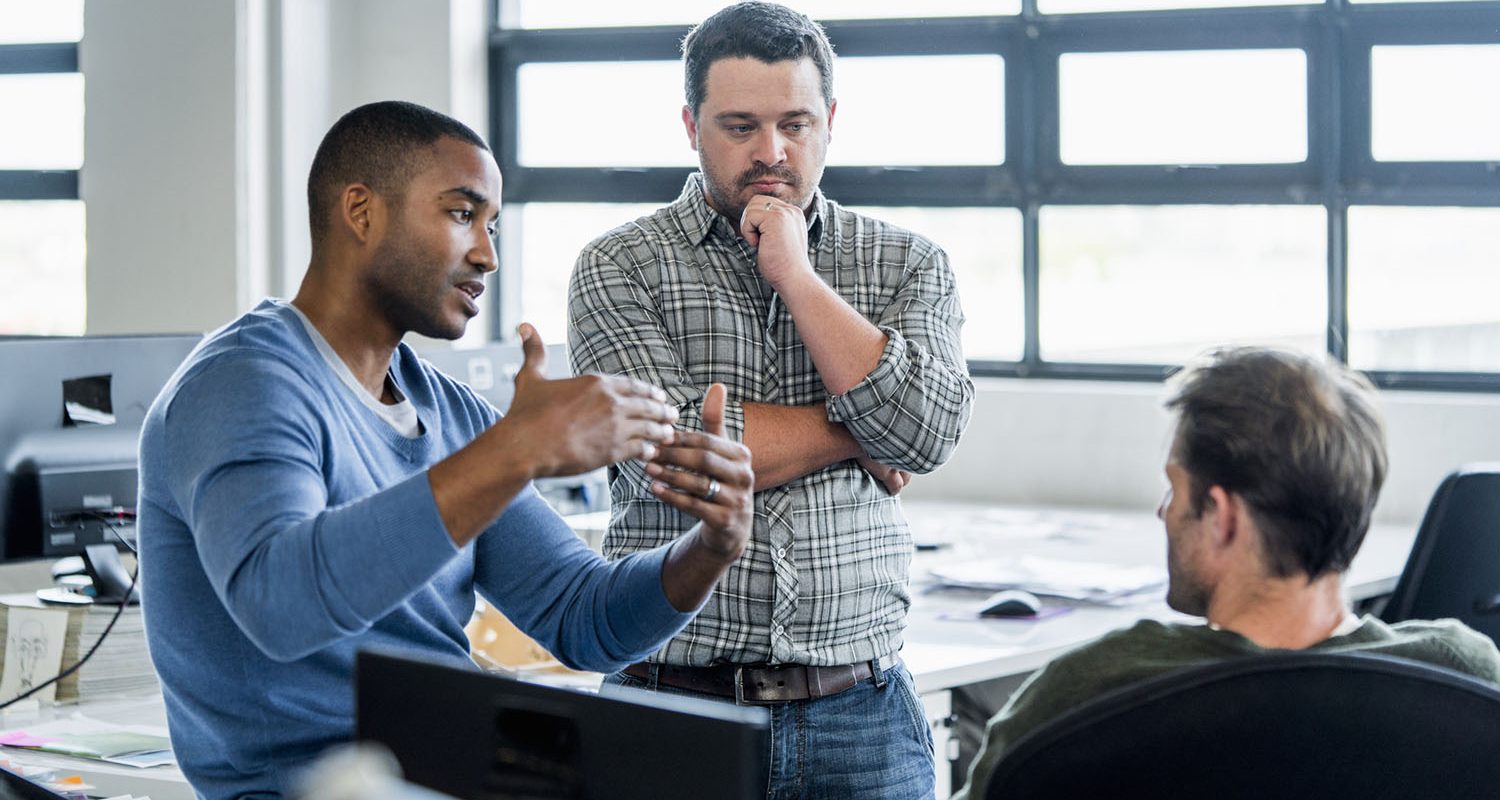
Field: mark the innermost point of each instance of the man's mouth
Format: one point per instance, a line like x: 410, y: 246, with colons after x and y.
x: 471, y: 290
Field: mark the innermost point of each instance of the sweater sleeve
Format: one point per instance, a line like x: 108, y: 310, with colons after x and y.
x: 589, y: 613
x: 293, y: 573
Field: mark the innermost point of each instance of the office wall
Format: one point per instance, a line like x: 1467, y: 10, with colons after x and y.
x: 1103, y: 444
x: 202, y: 120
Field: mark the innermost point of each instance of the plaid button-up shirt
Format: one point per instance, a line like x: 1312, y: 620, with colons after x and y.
x: 675, y: 299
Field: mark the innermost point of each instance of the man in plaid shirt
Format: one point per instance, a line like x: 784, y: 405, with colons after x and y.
x: 837, y: 336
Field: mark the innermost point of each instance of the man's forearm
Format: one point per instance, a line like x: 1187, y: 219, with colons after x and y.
x: 844, y: 346
x: 787, y: 442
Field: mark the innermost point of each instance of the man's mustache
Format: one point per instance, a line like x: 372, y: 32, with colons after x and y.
x: 782, y: 174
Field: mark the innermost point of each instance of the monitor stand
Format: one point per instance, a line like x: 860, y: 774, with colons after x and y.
x: 106, y: 571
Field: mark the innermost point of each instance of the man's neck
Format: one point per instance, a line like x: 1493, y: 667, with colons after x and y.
x: 354, y: 331
x: 1282, y: 613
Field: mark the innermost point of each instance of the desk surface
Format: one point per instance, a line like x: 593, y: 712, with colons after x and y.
x: 943, y: 652
x: 160, y: 783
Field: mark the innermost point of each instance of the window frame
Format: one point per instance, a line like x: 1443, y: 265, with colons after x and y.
x: 1336, y: 36
x: 36, y: 59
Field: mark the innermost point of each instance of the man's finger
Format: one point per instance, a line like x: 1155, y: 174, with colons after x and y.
x: 534, y: 352
x: 713, y: 409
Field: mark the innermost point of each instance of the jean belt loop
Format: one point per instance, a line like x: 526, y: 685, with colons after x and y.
x: 879, y: 676
x: 654, y: 669
x: 739, y: 684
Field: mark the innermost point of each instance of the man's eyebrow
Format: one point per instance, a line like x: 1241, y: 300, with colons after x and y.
x: 474, y: 197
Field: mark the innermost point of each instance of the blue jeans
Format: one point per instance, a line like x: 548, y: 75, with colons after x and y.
x: 869, y: 742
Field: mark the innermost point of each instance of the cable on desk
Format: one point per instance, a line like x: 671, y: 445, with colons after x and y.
x: 109, y: 521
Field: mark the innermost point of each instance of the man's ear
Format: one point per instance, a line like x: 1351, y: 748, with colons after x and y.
x: 360, y: 212
x: 1223, y: 509
x: 832, y: 107
x: 690, y: 123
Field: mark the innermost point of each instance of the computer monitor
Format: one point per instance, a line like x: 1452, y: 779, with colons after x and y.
x: 477, y: 736
x: 71, y: 410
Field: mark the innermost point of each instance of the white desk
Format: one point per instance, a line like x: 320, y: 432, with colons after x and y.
x: 943, y: 652
x: 161, y: 783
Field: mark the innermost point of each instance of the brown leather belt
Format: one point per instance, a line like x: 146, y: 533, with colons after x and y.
x: 757, y: 684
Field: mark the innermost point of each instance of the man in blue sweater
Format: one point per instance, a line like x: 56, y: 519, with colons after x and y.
x: 309, y: 487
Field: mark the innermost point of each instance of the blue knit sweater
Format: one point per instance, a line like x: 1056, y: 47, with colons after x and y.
x: 284, y: 526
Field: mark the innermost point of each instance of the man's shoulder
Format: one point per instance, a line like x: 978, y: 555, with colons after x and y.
x: 660, y: 228
x: 254, y: 349
x: 859, y: 228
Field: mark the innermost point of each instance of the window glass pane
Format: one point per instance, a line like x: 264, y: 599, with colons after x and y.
x: 1423, y: 284
x: 1084, y: 6
x: 608, y: 13
x: 1186, y: 107
x: 600, y: 125
x: 1434, y: 103
x: 42, y: 267
x: 30, y: 21
x: 552, y: 236
x: 984, y: 249
x: 44, y: 121
x: 952, y: 111
x: 1161, y: 284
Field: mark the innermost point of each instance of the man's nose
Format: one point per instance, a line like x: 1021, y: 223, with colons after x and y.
x: 770, y: 147
x: 483, y: 254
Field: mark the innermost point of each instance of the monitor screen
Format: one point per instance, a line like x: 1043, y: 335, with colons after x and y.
x: 71, y: 410
x: 478, y: 736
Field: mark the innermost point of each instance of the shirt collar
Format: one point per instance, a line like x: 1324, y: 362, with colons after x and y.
x: 698, y: 220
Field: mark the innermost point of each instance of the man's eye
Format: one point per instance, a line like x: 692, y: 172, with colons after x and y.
x: 462, y: 215
x: 739, y: 130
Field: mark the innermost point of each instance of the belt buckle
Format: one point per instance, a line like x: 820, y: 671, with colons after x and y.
x: 739, y: 684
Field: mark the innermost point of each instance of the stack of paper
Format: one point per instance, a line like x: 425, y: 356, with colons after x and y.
x: 121, y: 666
x: 1075, y: 580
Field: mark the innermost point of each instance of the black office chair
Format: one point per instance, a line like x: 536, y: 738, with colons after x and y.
x: 1454, y: 567
x: 1283, y: 725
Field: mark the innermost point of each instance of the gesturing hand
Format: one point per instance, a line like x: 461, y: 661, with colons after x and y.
x: 583, y: 423
x: 708, y: 476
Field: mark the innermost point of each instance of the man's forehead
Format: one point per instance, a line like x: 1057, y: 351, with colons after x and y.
x: 456, y: 166
x: 749, y: 85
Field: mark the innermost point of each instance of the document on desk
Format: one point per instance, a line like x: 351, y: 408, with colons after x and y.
x: 1073, y: 580
x: 84, y: 737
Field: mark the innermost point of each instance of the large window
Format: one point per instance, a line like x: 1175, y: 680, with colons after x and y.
x: 41, y: 150
x: 1120, y: 184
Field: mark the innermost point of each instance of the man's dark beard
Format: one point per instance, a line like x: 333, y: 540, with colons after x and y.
x: 732, y: 208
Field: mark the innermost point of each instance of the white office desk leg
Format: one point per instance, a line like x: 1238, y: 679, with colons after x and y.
x: 939, y: 709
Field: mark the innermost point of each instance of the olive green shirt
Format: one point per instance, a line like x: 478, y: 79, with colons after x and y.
x: 1149, y: 649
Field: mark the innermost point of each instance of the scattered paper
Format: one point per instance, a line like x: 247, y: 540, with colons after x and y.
x: 1075, y: 580
x: 84, y: 737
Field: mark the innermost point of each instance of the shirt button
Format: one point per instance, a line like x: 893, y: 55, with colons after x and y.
x: 780, y: 630
x: 781, y: 552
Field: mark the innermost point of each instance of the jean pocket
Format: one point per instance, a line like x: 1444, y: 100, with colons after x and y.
x: 899, y: 680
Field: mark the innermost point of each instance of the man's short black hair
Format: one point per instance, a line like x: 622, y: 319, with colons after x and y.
x: 1298, y: 437
x: 382, y: 145
x: 752, y: 29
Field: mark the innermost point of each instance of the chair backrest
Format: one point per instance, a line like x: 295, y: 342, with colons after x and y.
x: 1279, y: 725
x: 1454, y: 567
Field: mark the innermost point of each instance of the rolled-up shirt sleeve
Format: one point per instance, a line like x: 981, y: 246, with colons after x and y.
x: 911, y: 409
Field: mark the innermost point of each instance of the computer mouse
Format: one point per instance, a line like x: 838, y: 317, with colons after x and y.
x: 1011, y: 603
